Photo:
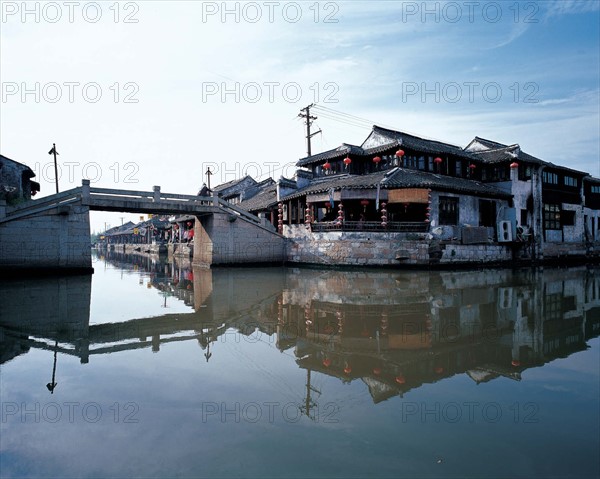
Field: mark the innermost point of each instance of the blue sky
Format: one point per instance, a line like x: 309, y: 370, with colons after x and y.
x: 515, y: 72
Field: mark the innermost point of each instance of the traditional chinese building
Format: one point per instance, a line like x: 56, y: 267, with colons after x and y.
x: 401, y: 199
x: 16, y: 182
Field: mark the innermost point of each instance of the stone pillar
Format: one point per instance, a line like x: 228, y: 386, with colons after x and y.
x: 85, y: 192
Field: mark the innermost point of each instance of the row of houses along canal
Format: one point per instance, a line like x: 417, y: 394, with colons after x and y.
x: 396, y: 200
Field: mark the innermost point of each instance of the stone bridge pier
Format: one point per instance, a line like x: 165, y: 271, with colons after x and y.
x: 227, y: 239
x: 58, y: 238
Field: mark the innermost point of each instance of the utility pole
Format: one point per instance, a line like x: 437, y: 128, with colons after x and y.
x: 54, y: 152
x: 309, y: 120
x: 308, y: 402
x: 122, y: 218
x: 208, y: 175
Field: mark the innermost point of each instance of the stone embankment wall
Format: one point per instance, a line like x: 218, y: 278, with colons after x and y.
x: 54, y: 239
x: 385, y: 249
x: 228, y: 239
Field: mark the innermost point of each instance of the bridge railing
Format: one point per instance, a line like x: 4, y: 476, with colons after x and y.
x: 87, y: 195
x: 155, y: 196
x: 239, y: 211
x: 43, y: 204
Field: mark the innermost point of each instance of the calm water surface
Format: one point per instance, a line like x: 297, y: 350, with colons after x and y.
x: 149, y: 369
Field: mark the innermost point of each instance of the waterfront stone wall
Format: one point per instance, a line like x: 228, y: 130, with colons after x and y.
x: 561, y: 250
x: 55, y: 239
x: 224, y: 238
x: 385, y: 249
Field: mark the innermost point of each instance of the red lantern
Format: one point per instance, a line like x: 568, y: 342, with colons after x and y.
x: 347, y: 161
x: 376, y: 371
x: 347, y: 369
x: 400, y: 379
x: 438, y: 160
x: 472, y: 166
x: 326, y: 362
x: 514, y: 165
x: 400, y: 153
x: 376, y: 160
x: 364, y: 202
x: 327, y: 165
x: 515, y: 363
x: 439, y: 370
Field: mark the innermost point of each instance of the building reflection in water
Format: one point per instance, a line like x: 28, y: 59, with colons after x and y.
x: 392, y: 330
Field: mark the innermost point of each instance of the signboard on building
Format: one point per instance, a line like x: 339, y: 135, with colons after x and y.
x: 409, y: 195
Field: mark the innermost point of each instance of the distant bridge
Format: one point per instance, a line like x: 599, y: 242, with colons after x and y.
x: 54, y: 231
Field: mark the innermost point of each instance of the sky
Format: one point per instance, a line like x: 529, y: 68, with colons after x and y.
x: 144, y: 93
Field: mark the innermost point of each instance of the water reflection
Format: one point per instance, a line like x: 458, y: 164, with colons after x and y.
x: 394, y: 331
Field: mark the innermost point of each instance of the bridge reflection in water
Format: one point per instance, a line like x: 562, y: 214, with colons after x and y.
x: 395, y: 331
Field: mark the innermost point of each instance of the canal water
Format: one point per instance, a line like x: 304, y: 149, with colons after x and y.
x: 157, y: 369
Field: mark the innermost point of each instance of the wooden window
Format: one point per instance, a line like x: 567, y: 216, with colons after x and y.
x: 570, y: 181
x: 551, y: 216
x: 448, y: 210
x: 458, y: 168
x: 524, y: 172
x: 549, y: 178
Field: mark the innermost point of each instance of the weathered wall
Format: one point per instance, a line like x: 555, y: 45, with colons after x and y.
x: 555, y: 250
x: 575, y: 233
x: 384, y: 249
x: 227, y: 239
x: 58, y: 238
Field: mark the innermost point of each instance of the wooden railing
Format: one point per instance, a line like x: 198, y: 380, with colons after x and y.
x: 393, y: 226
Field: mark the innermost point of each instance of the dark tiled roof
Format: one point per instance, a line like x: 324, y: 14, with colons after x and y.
x: 400, y: 178
x: 486, y: 143
x: 231, y: 183
x: 421, y: 144
x: 342, y: 150
x: 31, y: 174
x: 262, y: 200
x: 337, y: 182
x: 117, y: 229
x: 388, y: 139
x: 498, y: 153
x: 404, y: 178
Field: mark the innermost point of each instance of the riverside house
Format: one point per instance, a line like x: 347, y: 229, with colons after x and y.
x: 400, y: 199
x: 16, y: 184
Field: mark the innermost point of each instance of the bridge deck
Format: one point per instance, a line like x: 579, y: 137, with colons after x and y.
x: 129, y: 201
